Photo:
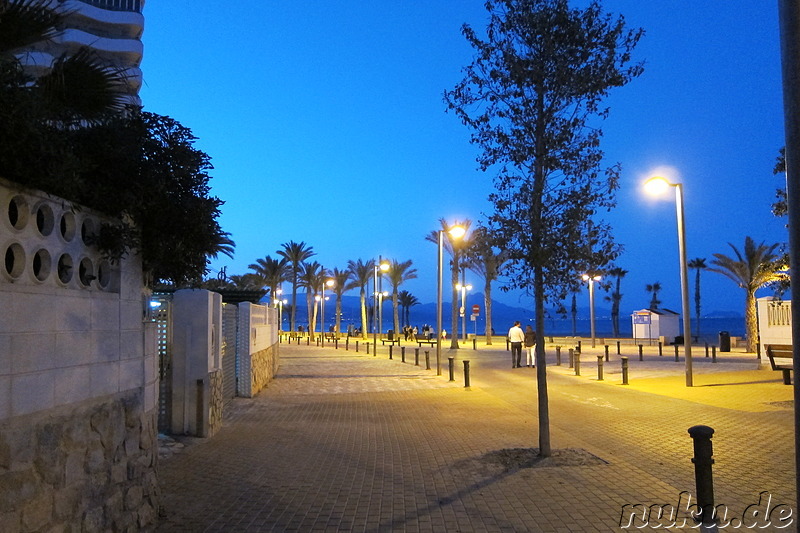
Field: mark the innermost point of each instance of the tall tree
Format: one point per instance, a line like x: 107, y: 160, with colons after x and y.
x: 752, y: 268
x: 616, y: 297
x: 295, y: 254
x: 399, y: 272
x: 272, y: 272
x: 484, y: 260
x: 533, y: 98
x: 407, y: 301
x: 653, y: 289
x: 341, y: 284
x: 698, y: 264
x: 456, y: 248
x: 311, y: 277
x: 362, y: 273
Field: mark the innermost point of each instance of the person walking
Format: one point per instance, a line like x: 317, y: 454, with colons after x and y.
x: 530, y: 345
x: 516, y: 337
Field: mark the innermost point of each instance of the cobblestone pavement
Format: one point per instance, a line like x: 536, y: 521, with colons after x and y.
x: 353, y: 442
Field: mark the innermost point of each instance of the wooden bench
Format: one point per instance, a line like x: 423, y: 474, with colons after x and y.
x: 420, y: 342
x: 395, y: 340
x: 780, y: 358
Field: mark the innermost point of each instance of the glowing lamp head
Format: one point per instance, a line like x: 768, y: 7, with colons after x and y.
x: 384, y: 267
x: 457, y: 232
x: 330, y: 283
x: 656, y: 186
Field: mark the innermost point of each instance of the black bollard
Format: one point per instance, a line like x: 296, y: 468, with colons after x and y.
x: 416, y: 356
x: 308, y: 341
x: 390, y: 351
x: 618, y: 348
x: 713, y: 354
x: 427, y: 360
x: 558, y: 355
x: 606, y: 347
x: 571, y: 358
x: 403, y: 354
x: 336, y: 343
x: 508, y: 346
x: 599, y: 368
x: 474, y: 343
x: 452, y: 368
x: 367, y: 348
x: 356, y: 346
x: 298, y: 340
x: 466, y: 374
x: 624, y: 370
x: 676, y: 353
x: 703, y: 478
x: 660, y: 348
x: 577, y: 363
x: 641, y: 357
x: 347, y: 344
x: 578, y: 347
x: 706, y: 349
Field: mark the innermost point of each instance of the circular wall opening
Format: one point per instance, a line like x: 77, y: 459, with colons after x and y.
x: 18, y: 212
x: 88, y: 229
x: 65, y: 268
x: 41, y: 264
x: 67, y: 226
x: 45, y: 220
x: 86, y: 272
x: 15, y: 260
x: 104, y: 274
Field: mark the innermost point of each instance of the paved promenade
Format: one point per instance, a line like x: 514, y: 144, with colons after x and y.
x: 344, y: 441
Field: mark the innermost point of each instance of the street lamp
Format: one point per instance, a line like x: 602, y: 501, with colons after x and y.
x: 329, y: 283
x: 463, y: 311
x: 382, y: 266
x: 591, y: 280
x: 656, y: 186
x: 456, y: 232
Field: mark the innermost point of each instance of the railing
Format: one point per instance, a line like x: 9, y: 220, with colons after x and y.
x: 779, y: 314
x: 116, y: 5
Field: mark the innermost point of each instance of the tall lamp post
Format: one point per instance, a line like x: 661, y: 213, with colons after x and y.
x: 456, y: 232
x: 658, y: 186
x: 382, y: 266
x: 328, y: 283
x: 463, y: 311
x: 591, y: 280
x: 277, y: 302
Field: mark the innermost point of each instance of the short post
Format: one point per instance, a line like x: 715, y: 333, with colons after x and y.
x: 706, y: 349
x: 713, y: 354
x: 451, y: 361
x: 703, y: 478
x: 298, y: 340
x: 599, y: 368
x: 356, y: 346
x: 403, y: 354
x: 660, y: 348
x: 578, y: 347
x: 367, y: 343
x: 577, y: 363
x: 308, y: 341
x: 466, y: 374
x: 346, y: 344
x: 390, y: 351
x: 618, y: 348
x: 676, y: 353
x: 336, y: 343
x: 316, y: 341
x: 624, y: 370
x: 508, y: 346
x: 416, y: 356
x: 427, y: 360
x: 571, y: 358
x: 474, y: 343
x: 558, y: 355
x: 606, y: 348
x: 641, y: 357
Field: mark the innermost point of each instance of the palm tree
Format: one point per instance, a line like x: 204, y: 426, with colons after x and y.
x: 407, y: 301
x: 272, y: 273
x: 485, y: 262
x: 361, y: 274
x: 699, y: 264
x: 752, y: 268
x: 456, y: 249
x: 654, y: 289
x: 295, y: 254
x: 341, y: 280
x: 311, y: 277
x: 616, y: 297
x: 397, y: 274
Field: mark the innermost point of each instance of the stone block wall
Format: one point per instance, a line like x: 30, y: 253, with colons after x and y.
x: 264, y: 366
x: 257, y: 350
x: 215, y: 401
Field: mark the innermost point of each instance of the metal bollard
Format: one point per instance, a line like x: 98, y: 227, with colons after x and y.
x: 451, y: 362
x: 367, y: 348
x: 706, y: 349
x: 624, y: 370
x: 660, y: 348
x: 606, y: 347
x: 508, y: 346
x: 466, y: 374
x: 427, y: 360
x: 336, y: 343
x: 474, y: 343
x: 676, y: 353
x: 403, y: 354
x: 618, y: 348
x: 356, y: 346
x: 316, y: 341
x: 641, y: 357
x: 390, y: 351
x: 571, y: 358
x: 713, y: 354
x: 578, y: 347
x: 703, y: 478
x: 558, y: 355
x: 577, y: 363
x: 298, y: 341
x: 347, y: 344
x: 599, y: 368
x: 416, y: 356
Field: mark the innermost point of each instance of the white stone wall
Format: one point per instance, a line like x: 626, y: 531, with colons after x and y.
x: 257, y: 347
x: 774, y: 323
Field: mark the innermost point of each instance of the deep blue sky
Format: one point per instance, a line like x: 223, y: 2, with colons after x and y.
x: 325, y: 123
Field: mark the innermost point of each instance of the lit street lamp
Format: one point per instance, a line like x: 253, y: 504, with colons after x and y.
x: 456, y: 232
x: 329, y: 283
x: 658, y: 186
x: 382, y: 266
x: 463, y: 311
x: 277, y: 302
x: 591, y: 280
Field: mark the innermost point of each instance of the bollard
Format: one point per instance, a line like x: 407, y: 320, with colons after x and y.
x: 578, y: 347
x: 577, y: 363
x: 452, y: 368
x: 427, y: 360
x: 347, y: 344
x: 618, y: 348
x: 336, y: 343
x: 390, y: 351
x: 298, y: 341
x: 508, y: 346
x: 676, y: 353
x: 624, y: 370
x: 599, y: 368
x: 558, y: 355
x: 466, y: 374
x: 308, y: 341
x: 706, y: 349
x: 356, y: 346
x: 713, y: 354
x: 641, y: 357
x: 416, y: 356
x: 571, y: 358
x: 316, y: 341
x: 367, y: 343
x: 660, y: 348
x: 474, y: 343
x: 606, y: 347
x: 703, y: 478
x: 403, y: 354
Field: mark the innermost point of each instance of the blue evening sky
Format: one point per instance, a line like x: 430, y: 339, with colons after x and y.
x: 326, y: 124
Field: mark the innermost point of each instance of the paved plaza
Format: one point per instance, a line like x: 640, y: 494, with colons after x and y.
x: 345, y: 441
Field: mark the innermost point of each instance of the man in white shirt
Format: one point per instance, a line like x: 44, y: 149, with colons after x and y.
x: 516, y: 337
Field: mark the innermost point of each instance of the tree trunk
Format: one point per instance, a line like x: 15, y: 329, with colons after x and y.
x: 363, y: 313
x: 395, y: 313
x: 310, y: 311
x: 338, y: 314
x: 751, y: 321
x: 541, y: 362
x: 293, y: 324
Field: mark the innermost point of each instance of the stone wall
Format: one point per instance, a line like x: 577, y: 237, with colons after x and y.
x: 264, y: 366
x: 85, y: 467
x: 257, y: 348
x: 215, y: 401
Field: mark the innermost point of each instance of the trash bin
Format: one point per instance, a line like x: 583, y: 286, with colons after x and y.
x: 679, y: 340
x: 724, y: 341
x: 390, y: 334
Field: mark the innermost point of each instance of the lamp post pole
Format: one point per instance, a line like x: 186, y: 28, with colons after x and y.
x: 322, y: 317
x: 687, y: 321
x: 439, y: 304
x: 591, y: 280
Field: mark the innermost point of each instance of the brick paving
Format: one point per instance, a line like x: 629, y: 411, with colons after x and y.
x: 342, y: 441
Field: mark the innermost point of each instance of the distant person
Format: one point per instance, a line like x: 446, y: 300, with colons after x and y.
x: 414, y: 333
x: 516, y: 337
x: 530, y: 345
x: 444, y: 333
